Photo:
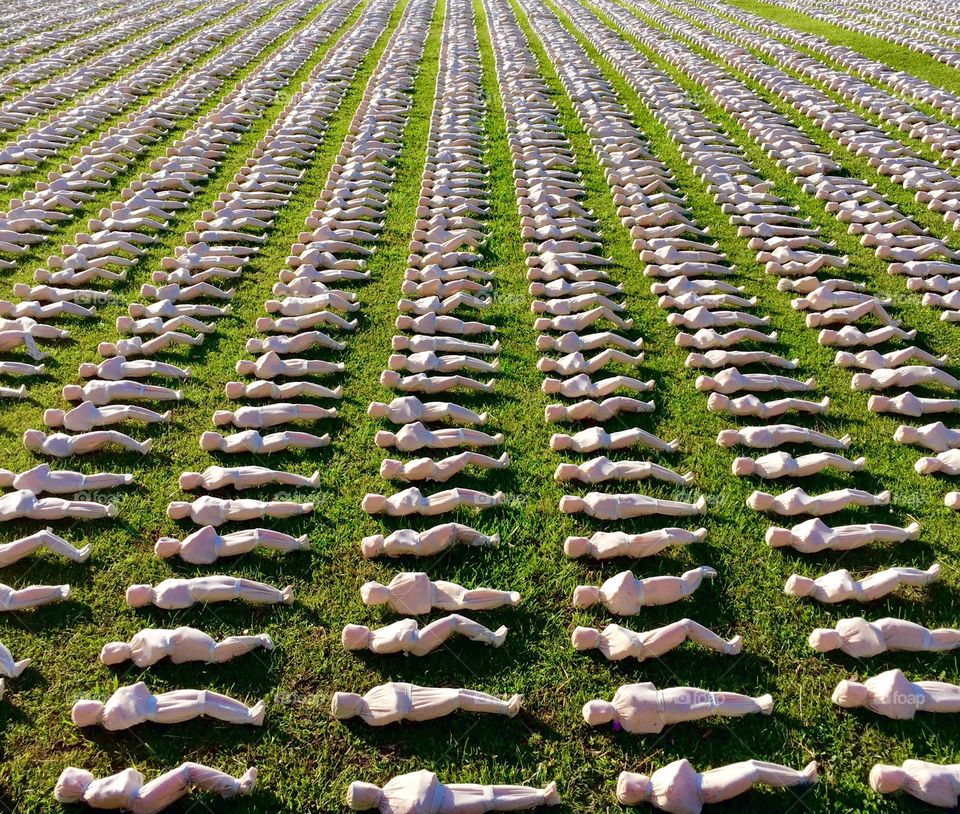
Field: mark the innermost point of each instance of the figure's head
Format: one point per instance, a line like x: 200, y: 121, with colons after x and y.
x: 390, y: 468
x: 72, y: 784
x: 210, y: 441
x: 389, y: 378
x: 760, y: 501
x: 245, y: 367
x: 178, y: 509
x: 585, y: 596
x: 633, y: 788
x: 598, y: 712
x: 363, y: 796
x: 743, y: 466
x: 355, y: 637
x: 777, y: 537
x: 824, y: 639
x: 728, y: 438
x: 850, y: 694
x: 166, y: 547
x: 575, y: 547
x: 234, y: 390
x: 887, y: 779
x: 53, y: 418
x: 115, y: 653
x: 373, y: 593
x: 798, y: 585
x: 33, y: 439
x: 377, y: 409
x: 346, y: 705
x: 86, y: 712
x: 585, y: 638
x: 139, y: 596
x: 372, y: 545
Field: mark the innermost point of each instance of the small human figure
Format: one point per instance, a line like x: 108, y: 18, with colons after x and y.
x: 404, y: 636
x: 642, y: 708
x: 412, y: 592
x: 617, y: 643
x: 893, y: 695
x: 679, y: 789
x: 134, y: 704
x: 180, y: 645
x: 398, y: 701
x: 423, y: 793
x: 127, y: 789
x: 626, y: 595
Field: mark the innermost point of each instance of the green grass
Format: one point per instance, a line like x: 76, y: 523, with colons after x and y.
x: 306, y: 759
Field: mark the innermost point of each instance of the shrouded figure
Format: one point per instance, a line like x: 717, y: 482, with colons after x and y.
x: 423, y: 793
x: 679, y: 789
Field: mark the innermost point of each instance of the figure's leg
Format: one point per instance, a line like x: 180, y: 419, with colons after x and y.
x: 225, y: 708
x: 37, y: 595
x: 234, y: 646
x: 727, y: 782
x: 474, y: 701
x: 944, y: 638
x: 707, y: 638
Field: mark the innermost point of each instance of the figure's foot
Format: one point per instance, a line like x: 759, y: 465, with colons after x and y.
x: 257, y: 711
x: 513, y: 705
x: 499, y: 636
x: 734, y: 646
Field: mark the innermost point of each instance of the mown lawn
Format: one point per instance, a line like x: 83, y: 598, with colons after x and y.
x: 305, y: 758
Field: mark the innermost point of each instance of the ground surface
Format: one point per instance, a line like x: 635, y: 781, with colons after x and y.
x: 305, y: 758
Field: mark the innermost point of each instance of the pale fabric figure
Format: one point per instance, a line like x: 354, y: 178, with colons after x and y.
x: 174, y: 594
x: 604, y: 545
x: 594, y: 438
x: 407, y: 409
x: 893, y: 695
x: 25, y: 504
x: 413, y: 593
x: 180, y: 645
x: 947, y: 463
x: 404, y: 542
x: 18, y: 549
x: 244, y: 477
x: 413, y: 501
x: 813, y: 536
x: 861, y: 639
x: 439, y: 471
x: 214, y: 511
x: 933, y: 783
x: 205, y: 546
x: 398, y: 701
x: 599, y: 470
x: 12, y: 599
x: 134, y: 704
x: 127, y: 790
x: 784, y: 465
x: 405, y: 636
x: 87, y: 416
x: 591, y: 410
x: 774, y: 435
x: 796, y: 501
x: 751, y: 405
x: 617, y: 507
x: 60, y: 445
x: 423, y: 793
x: 42, y: 479
x: 840, y: 586
x: 617, y: 643
x: 642, y: 708
x: 679, y: 789
x: 626, y: 595
x: 936, y: 436
x: 253, y: 441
